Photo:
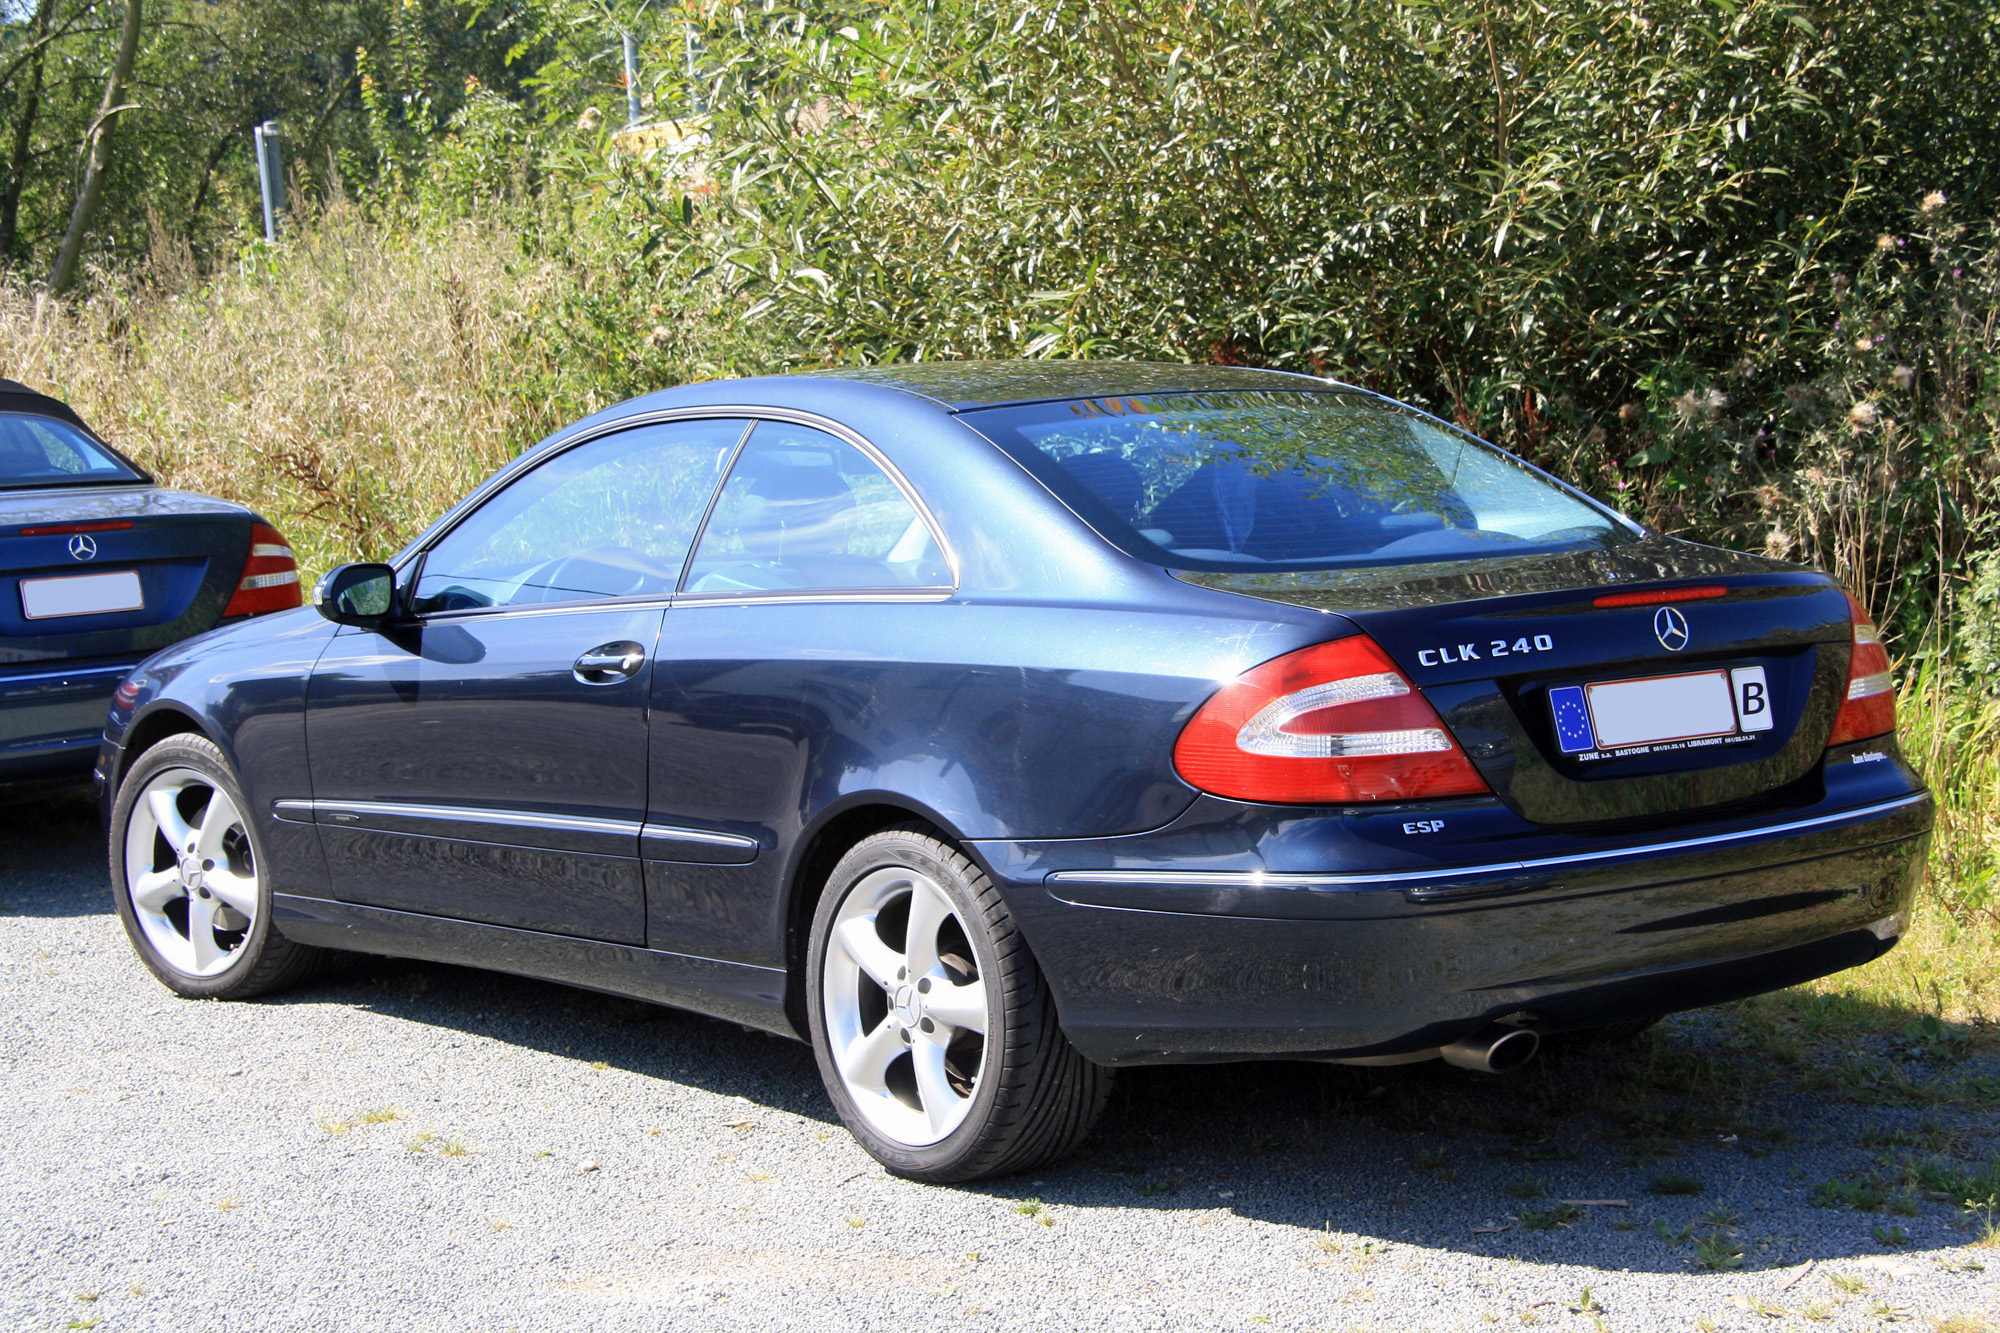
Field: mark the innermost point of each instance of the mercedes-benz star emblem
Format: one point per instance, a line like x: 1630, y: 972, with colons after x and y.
x: 82, y: 547
x: 1671, y: 628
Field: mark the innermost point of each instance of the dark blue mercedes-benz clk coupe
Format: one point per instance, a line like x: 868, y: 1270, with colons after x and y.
x: 994, y: 726
x: 98, y: 568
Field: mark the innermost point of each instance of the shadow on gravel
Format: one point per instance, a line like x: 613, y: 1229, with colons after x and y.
x: 52, y: 859
x: 1723, y: 1155
x: 1718, y: 1166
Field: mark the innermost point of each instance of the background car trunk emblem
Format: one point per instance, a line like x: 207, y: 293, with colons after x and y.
x: 81, y: 547
x: 1671, y: 628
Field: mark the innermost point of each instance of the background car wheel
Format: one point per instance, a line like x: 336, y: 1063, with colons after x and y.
x: 934, y: 1029
x: 186, y: 875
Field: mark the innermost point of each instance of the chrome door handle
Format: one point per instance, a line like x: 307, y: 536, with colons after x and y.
x: 609, y: 663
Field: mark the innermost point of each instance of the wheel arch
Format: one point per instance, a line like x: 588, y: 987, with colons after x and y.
x: 835, y: 831
x: 149, y: 730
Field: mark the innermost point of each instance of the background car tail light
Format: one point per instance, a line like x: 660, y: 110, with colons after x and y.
x: 270, y: 579
x: 1326, y: 725
x: 1870, y: 706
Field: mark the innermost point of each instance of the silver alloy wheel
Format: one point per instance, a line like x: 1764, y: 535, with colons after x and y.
x: 907, y: 1012
x: 190, y: 872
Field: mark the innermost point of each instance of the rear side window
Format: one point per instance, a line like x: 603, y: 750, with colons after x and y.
x: 803, y: 509
x: 1237, y: 481
x: 42, y: 451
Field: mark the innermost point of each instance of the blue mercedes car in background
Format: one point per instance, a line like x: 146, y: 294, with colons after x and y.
x: 98, y: 568
x: 992, y: 727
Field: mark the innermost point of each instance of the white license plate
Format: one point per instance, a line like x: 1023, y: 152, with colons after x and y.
x: 1696, y: 708
x: 81, y: 595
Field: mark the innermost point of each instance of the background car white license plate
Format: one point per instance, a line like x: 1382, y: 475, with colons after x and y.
x: 81, y: 595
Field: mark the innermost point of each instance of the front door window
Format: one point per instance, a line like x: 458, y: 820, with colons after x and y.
x: 612, y: 518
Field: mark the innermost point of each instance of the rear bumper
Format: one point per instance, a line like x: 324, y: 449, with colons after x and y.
x: 1179, y: 962
x: 51, y: 721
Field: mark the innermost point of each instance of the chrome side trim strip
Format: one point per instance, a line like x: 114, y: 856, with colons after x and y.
x: 518, y: 819
x: 664, y: 833
x: 1255, y: 879
x: 470, y: 815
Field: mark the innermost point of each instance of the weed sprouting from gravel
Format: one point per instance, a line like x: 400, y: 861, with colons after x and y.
x: 1965, y: 1321
x: 1988, y: 1236
x: 380, y: 1115
x: 1668, y: 1182
x: 1847, y: 1282
x: 1036, y: 1210
x: 1927, y: 1137
x: 1894, y: 1238
x: 1640, y: 1153
x: 1718, y: 1253
x: 1865, y: 1195
x: 1530, y: 1188
x: 1552, y: 1218
x: 1961, y: 1185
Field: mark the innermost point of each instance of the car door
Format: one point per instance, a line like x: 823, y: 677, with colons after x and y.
x: 485, y: 758
x: 795, y: 610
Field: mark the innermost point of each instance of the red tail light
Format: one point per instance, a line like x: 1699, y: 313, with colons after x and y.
x: 1326, y: 725
x: 1659, y: 596
x: 1870, y: 706
x: 270, y: 579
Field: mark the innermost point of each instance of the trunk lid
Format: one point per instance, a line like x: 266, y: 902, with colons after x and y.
x: 1723, y: 702
x: 186, y: 552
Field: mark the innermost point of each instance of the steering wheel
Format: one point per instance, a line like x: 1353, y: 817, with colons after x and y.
x: 601, y: 571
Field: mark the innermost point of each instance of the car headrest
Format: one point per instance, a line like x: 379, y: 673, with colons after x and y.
x: 791, y: 512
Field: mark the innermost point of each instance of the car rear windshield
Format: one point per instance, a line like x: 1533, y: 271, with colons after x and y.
x: 1289, y: 480
x: 42, y: 451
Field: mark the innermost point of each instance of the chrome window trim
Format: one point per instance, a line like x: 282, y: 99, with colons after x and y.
x: 516, y: 818
x: 652, y: 601
x: 693, y: 599
x: 472, y: 503
x: 1253, y: 879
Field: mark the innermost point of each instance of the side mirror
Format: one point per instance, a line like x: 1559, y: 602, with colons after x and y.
x: 356, y: 594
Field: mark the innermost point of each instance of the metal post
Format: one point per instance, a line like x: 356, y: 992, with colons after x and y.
x: 632, y: 111
x: 694, y: 80
x: 270, y: 176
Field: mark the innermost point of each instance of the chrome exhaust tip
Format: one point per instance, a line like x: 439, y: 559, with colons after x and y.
x: 1494, y: 1050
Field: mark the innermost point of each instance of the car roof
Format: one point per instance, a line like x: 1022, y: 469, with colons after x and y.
x: 965, y: 385
x: 18, y: 397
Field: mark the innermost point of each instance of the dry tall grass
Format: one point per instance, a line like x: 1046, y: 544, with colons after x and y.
x: 349, y: 385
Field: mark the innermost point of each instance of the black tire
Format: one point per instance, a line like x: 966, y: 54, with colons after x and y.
x: 260, y: 960
x: 1035, y: 1098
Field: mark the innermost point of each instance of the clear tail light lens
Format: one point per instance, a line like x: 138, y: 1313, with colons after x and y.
x: 1870, y: 706
x: 1332, y: 724
x: 270, y: 580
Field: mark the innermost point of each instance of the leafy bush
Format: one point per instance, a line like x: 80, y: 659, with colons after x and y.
x: 1636, y: 240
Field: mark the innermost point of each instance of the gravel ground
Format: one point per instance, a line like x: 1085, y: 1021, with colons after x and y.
x: 559, y: 1160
